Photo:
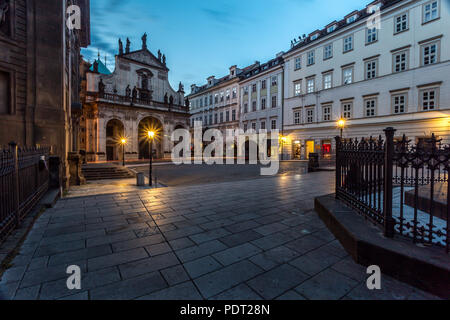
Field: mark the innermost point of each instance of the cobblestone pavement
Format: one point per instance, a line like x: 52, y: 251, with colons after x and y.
x: 249, y: 239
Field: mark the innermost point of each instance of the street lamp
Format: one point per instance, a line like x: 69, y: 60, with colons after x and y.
x: 123, y: 141
x: 151, y: 136
x: 341, y: 125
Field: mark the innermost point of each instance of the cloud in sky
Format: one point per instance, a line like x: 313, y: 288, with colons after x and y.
x: 202, y: 38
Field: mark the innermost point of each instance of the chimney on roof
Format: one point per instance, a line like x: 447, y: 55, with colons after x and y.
x: 233, y: 71
x: 211, y: 81
x: 193, y: 88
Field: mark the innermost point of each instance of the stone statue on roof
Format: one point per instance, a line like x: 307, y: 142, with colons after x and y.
x: 120, y: 47
x: 127, y: 48
x: 164, y: 59
x: 159, y: 55
x: 144, y: 41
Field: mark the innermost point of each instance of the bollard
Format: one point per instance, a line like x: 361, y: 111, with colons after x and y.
x: 140, y: 179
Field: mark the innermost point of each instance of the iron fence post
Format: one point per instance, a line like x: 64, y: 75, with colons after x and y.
x: 15, y: 152
x: 389, y: 222
x: 338, y: 165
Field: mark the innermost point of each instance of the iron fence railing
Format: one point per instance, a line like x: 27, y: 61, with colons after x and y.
x: 24, y: 178
x: 401, y: 186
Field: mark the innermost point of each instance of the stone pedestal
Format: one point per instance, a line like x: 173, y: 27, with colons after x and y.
x: 75, y: 162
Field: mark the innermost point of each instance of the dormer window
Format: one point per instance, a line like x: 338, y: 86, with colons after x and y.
x: 314, y: 36
x: 352, y: 18
x: 331, y: 29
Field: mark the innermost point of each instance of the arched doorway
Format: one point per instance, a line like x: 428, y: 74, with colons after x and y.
x: 114, y: 132
x: 146, y: 125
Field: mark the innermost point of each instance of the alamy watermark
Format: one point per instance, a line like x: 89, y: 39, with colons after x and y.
x: 74, y: 280
x: 73, y: 17
x: 213, y: 147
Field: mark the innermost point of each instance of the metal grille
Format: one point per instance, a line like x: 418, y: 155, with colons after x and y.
x: 24, y: 179
x: 401, y: 186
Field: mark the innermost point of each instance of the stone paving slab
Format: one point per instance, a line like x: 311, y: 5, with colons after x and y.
x: 243, y: 240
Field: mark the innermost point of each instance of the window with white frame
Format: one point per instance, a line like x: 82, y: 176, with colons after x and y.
x: 221, y: 117
x: 274, y: 101
x: 216, y: 98
x: 328, y: 51
x: 254, y: 87
x: 401, y: 23
x: 274, y: 124
x: 327, y: 80
x: 233, y: 115
x: 314, y: 36
x: 400, y: 61
x: 263, y: 84
x: 210, y: 100
x: 331, y: 29
x: 371, y: 35
x: 228, y: 95
x: 348, y: 43
x: 347, y: 109
x: 371, y: 69
x: 310, y: 115
x: 297, y: 116
x: 326, y: 112
x: 370, y: 107
x: 352, y: 18
x: 429, y: 99
x: 298, y: 63
x: 221, y: 97
x: 297, y: 88
x: 430, y: 11
x: 311, y: 57
x: 245, y: 107
x: 310, y: 85
x: 347, y: 75
x: 263, y: 125
x: 274, y: 81
x: 263, y: 103
x: 253, y: 106
x: 399, y: 103
x: 254, y: 126
x: 430, y: 53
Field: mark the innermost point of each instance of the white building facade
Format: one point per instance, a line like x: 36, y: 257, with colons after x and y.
x: 387, y: 65
x: 216, y: 104
x: 261, y: 96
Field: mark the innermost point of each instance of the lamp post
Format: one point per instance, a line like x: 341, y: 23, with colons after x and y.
x: 341, y: 125
x: 151, y: 135
x: 123, y: 141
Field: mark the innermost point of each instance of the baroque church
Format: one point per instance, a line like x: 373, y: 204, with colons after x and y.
x: 125, y: 104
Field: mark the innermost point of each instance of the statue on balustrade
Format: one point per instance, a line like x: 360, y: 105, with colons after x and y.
x: 166, y: 99
x: 135, y: 92
x: 128, y: 91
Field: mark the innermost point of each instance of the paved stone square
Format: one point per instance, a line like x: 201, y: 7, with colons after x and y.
x: 250, y: 239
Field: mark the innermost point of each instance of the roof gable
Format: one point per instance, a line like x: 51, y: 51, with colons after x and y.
x: 145, y: 57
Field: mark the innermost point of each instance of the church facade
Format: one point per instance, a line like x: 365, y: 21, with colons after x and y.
x: 127, y: 103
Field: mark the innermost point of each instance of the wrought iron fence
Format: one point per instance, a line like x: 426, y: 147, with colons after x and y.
x: 24, y: 178
x: 401, y: 186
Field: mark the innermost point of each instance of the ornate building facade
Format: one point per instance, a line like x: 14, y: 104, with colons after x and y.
x: 39, y: 73
x: 126, y: 103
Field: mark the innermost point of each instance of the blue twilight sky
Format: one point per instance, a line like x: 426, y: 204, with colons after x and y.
x: 201, y: 38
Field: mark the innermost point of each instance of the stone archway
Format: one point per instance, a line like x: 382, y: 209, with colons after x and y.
x: 114, y: 133
x: 145, y: 125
